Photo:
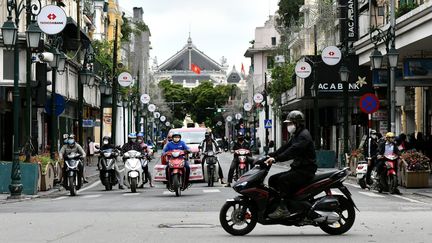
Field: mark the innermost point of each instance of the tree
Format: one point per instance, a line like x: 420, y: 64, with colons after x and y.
x: 282, y: 81
x: 289, y: 12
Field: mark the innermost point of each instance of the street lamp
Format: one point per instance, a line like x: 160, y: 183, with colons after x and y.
x: 10, y: 35
x: 33, y: 34
x: 344, y: 77
x: 376, y: 59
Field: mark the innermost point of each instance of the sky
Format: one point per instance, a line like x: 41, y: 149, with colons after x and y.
x: 218, y: 27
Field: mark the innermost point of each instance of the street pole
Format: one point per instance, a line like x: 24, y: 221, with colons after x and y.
x: 53, y: 113
x: 138, y: 115
x: 392, y: 70
x: 28, y: 112
x: 266, y: 149
x: 316, y: 90
x: 345, y: 114
x: 80, y: 84
x: 114, y: 84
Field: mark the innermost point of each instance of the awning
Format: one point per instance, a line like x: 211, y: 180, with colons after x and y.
x: 70, y: 38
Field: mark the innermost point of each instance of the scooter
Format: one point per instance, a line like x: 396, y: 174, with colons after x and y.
x: 387, y: 181
x: 73, y: 163
x: 211, y: 168
x: 133, y: 170
x: 242, y: 166
x: 176, y: 171
x: 107, y: 173
x: 314, y: 204
x: 361, y: 171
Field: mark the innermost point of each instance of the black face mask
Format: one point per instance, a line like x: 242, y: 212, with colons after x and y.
x: 240, y: 139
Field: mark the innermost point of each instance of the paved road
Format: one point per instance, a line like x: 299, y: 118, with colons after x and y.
x: 156, y: 215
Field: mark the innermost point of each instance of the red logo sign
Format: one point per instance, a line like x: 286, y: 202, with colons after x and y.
x: 303, y: 68
x: 51, y: 16
x: 331, y: 53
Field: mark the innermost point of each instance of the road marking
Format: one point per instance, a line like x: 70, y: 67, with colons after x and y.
x: 409, y: 199
x: 131, y: 194
x: 167, y: 193
x: 211, y: 190
x: 92, y: 196
x: 89, y: 187
x: 59, y: 198
x: 371, y: 194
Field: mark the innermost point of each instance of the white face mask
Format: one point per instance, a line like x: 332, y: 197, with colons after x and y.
x: 291, y: 129
x: 105, y: 141
x: 373, y: 136
x: 176, y: 140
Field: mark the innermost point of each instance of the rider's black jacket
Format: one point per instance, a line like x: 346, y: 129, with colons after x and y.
x: 131, y: 146
x: 299, y: 148
x: 381, y: 149
x: 244, y: 145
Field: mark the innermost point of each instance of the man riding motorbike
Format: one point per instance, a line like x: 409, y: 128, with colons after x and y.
x: 144, y: 147
x: 106, y: 144
x: 70, y: 147
x: 208, y: 144
x: 131, y: 144
x: 299, y: 148
x: 239, y: 144
x: 370, y: 151
x: 387, y: 148
x: 178, y: 144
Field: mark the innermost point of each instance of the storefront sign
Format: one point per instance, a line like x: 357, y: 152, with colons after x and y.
x: 380, y: 115
x: 258, y: 98
x: 52, y: 19
x: 88, y: 123
x: 145, y: 98
x: 303, y: 69
x: 247, y: 106
x: 125, y: 79
x: 151, y: 107
x: 331, y: 55
x: 349, y: 20
x: 229, y: 118
x: 417, y: 68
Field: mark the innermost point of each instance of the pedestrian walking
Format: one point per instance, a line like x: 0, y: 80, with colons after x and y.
x: 90, y: 149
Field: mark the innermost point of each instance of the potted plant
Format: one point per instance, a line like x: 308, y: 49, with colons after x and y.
x: 29, y: 176
x: 414, y: 169
x: 46, y: 171
x: 355, y: 156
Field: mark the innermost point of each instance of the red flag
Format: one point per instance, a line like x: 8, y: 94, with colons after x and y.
x: 195, y: 69
x: 243, y: 71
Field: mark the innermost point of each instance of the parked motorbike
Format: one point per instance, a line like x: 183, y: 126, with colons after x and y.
x: 133, y: 170
x: 211, y: 168
x: 242, y: 166
x: 73, y: 163
x: 334, y: 214
x: 387, y: 180
x: 361, y: 171
x: 176, y: 171
x: 107, y: 173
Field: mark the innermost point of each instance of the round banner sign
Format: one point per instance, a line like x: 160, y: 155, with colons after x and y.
x: 219, y: 123
x: 331, y: 55
x: 162, y: 118
x: 229, y: 118
x: 258, y: 98
x: 247, y: 106
x: 52, y: 19
x: 151, y: 108
x: 238, y: 116
x: 125, y: 79
x: 156, y: 115
x: 167, y: 123
x: 303, y: 69
x: 145, y: 98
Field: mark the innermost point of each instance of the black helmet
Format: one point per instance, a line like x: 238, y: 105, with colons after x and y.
x: 240, y: 135
x: 295, y: 117
x: 207, y: 134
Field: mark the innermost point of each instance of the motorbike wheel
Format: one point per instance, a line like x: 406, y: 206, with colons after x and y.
x: 210, y: 178
x: 347, y: 217
x: 362, y: 183
x: 238, y: 218
x: 72, y: 186
x: 176, y: 185
x: 107, y: 184
x: 241, y: 172
x: 133, y: 185
x: 392, y: 183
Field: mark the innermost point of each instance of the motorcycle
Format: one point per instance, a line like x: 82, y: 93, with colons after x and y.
x: 176, y: 171
x: 133, y: 170
x: 242, y: 166
x: 107, y: 173
x: 144, y: 164
x: 211, y: 170
x: 361, y: 171
x: 334, y: 214
x: 73, y: 164
x: 387, y: 180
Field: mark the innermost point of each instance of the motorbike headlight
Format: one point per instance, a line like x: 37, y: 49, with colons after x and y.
x: 176, y: 154
x: 107, y: 154
x: 210, y: 153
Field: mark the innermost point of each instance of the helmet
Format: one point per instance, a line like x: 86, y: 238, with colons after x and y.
x: 71, y: 140
x: 176, y: 135
x: 390, y: 135
x: 240, y: 134
x: 373, y: 132
x: 207, y: 134
x: 295, y: 117
x: 132, y: 135
x: 107, y: 139
x: 140, y: 134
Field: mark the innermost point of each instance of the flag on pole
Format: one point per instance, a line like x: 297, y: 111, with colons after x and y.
x: 195, y: 69
x: 243, y: 71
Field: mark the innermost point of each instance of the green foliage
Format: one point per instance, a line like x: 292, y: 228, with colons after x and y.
x: 126, y: 29
x: 289, y: 12
x: 103, y: 56
x: 141, y: 27
x: 281, y: 82
x: 405, y: 8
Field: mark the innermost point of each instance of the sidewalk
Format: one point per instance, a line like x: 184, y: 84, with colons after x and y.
x: 91, y: 173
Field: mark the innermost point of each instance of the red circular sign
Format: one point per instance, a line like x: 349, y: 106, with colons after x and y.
x: 369, y: 103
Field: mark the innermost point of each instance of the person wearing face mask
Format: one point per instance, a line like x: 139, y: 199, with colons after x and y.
x: 73, y: 147
x: 370, y: 151
x: 106, y: 144
x: 178, y: 144
x: 387, y: 148
x: 300, y: 148
x: 241, y: 143
x: 209, y: 144
x: 131, y: 144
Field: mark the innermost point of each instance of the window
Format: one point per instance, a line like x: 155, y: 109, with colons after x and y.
x: 8, y: 65
x: 273, y: 41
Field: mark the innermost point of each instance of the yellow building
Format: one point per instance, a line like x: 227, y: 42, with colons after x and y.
x: 114, y: 14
